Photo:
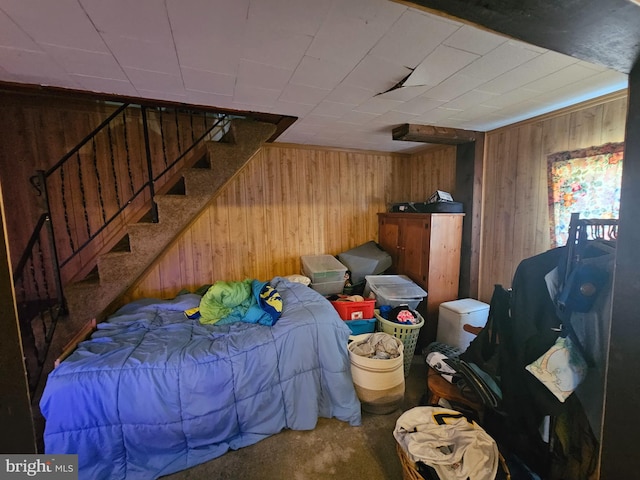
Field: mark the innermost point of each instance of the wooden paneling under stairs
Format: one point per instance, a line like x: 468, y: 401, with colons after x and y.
x: 117, y: 270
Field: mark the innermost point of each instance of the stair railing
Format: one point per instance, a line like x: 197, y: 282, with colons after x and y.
x: 39, y: 298
x: 109, y: 178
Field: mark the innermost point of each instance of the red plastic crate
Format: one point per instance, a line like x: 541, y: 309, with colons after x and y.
x: 354, y: 310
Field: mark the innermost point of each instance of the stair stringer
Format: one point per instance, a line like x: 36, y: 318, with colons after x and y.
x: 100, y: 295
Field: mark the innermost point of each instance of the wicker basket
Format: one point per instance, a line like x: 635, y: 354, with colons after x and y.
x: 408, y: 335
x: 410, y: 472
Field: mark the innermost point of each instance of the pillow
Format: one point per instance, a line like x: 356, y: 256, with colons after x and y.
x: 561, y: 368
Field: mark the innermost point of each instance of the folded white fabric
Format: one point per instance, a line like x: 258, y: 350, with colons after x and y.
x: 457, y: 449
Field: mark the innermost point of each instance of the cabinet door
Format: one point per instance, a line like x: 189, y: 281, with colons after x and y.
x: 389, y: 238
x: 414, y: 234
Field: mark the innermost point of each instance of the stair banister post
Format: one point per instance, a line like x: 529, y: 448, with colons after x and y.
x: 42, y: 180
x: 147, y: 148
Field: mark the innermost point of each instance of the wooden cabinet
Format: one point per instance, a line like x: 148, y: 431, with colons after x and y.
x: 426, y: 248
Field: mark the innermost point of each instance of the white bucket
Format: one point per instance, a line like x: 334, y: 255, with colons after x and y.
x: 379, y: 383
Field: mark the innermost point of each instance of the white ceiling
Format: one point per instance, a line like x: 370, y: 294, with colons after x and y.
x: 327, y: 62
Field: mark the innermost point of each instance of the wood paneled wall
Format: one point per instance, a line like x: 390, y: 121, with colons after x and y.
x: 515, y: 214
x: 290, y: 201
x: 35, y: 132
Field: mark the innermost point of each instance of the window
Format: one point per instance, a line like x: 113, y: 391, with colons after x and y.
x: 586, y: 181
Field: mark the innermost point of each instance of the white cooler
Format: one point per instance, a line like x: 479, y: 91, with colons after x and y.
x: 453, y: 315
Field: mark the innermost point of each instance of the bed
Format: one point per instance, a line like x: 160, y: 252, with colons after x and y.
x: 153, y: 392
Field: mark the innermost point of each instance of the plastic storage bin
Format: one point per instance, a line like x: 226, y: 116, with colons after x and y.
x: 354, y: 310
x: 328, y: 288
x: 394, y: 290
x: 452, y: 316
x: 323, y: 269
x: 407, y: 334
x: 365, y: 259
x: 358, y: 327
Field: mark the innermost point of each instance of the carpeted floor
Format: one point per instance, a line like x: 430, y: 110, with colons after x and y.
x: 333, y: 450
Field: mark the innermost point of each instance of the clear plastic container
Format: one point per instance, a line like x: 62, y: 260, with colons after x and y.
x: 394, y: 290
x: 323, y: 268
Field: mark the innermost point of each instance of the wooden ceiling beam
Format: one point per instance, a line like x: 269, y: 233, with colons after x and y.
x: 432, y: 134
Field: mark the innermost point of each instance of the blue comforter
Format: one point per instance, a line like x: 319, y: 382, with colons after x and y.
x: 152, y: 392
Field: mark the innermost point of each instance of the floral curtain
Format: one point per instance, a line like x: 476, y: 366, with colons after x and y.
x: 585, y: 181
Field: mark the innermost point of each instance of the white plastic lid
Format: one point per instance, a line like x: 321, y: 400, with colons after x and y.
x: 465, y: 305
x: 395, y: 287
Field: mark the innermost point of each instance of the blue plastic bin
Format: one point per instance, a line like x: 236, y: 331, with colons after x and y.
x: 358, y: 327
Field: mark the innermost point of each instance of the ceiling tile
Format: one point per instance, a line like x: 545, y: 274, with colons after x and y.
x: 352, y: 94
x: 315, y: 72
x: 538, y: 67
x: 155, y: 81
x: 404, y: 94
x: 377, y: 74
x: 377, y: 105
x: 197, y: 97
x: 262, y: 75
x: 8, y: 77
x: 352, y: 28
x: 513, y: 97
x: 357, y: 118
x: 83, y: 62
x: 63, y: 23
x: 164, y: 95
x: 455, y: 86
x: 439, y: 65
x: 27, y: 66
x: 144, y: 54
x: 297, y: 137
x: 251, y: 95
x: 474, y: 112
x: 419, y: 106
x: 276, y: 47
x: 204, y: 38
x: 561, y: 78
x: 13, y: 36
x: 500, y: 60
x: 144, y: 20
x: 470, y: 99
x: 219, y: 22
x: 412, y: 37
x: 580, y: 89
x: 393, y: 117
x: 474, y: 40
x: 105, y: 85
x: 303, y: 94
x: 332, y: 109
x: 291, y: 108
x: 302, y: 17
x: 224, y: 61
x: 209, y: 82
x: 436, y: 116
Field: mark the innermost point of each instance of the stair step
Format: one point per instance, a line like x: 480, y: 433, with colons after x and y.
x: 117, y: 265
x: 176, y: 208
x: 200, y: 181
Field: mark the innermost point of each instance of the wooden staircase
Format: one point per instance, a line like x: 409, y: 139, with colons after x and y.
x: 101, y: 292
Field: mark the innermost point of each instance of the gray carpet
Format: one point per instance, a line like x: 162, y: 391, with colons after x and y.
x: 333, y: 450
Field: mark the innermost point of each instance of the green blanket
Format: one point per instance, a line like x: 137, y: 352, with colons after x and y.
x: 229, y: 302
